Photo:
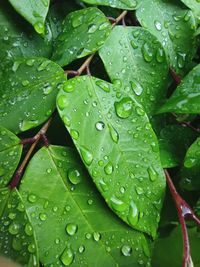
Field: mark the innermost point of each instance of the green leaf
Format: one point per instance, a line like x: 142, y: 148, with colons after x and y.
x: 171, y: 245
x: 194, y: 5
x: 174, y: 26
x: 28, y: 90
x: 174, y: 140
x: 122, y: 4
x: 84, y: 32
x: 186, y: 97
x: 34, y: 11
x: 190, y: 171
x: 17, y: 38
x: 17, y: 238
x: 117, y: 144
x: 10, y: 154
x: 138, y: 62
x: 73, y: 225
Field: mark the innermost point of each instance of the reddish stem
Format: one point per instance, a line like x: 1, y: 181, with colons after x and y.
x: 184, y: 212
x: 175, y: 76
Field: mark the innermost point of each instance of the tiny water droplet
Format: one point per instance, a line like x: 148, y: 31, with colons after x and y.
x: 100, y: 125
x: 152, y: 174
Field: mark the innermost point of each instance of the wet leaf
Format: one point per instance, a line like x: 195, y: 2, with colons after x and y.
x: 28, y: 90
x: 122, y: 4
x: 34, y: 11
x: 60, y: 199
x: 138, y: 62
x: 117, y: 144
x: 186, y: 97
x: 194, y: 5
x: 84, y: 32
x: 174, y: 26
x: 17, y: 238
x: 10, y: 154
x: 17, y: 38
x: 190, y: 171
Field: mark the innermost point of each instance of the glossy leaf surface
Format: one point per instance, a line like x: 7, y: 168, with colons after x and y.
x: 186, y: 97
x: 122, y: 4
x: 60, y: 199
x: 28, y: 90
x: 174, y: 26
x: 190, y: 171
x: 34, y: 11
x: 84, y: 32
x: 17, y: 38
x: 10, y: 153
x: 138, y: 62
x: 117, y: 144
x: 194, y: 5
x: 17, y: 238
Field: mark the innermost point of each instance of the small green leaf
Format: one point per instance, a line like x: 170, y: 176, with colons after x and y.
x: 138, y: 62
x: 191, y: 169
x: 34, y: 11
x: 28, y: 90
x: 72, y: 223
x: 17, y: 38
x: 174, y: 140
x: 17, y: 238
x: 174, y: 26
x: 186, y: 97
x: 10, y: 154
x: 194, y: 5
x: 117, y: 144
x: 84, y: 32
x: 122, y: 4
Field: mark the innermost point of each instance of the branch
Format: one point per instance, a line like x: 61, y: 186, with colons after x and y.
x: 184, y: 212
x: 86, y: 63
x: 41, y: 134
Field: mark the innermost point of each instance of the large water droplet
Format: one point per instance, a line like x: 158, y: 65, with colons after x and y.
x: 100, y: 125
x: 13, y: 228
x: 147, y: 53
x: 103, y: 85
x: 117, y: 204
x: 28, y: 229
x: 133, y: 214
x: 74, y: 176
x: 136, y: 86
x: 152, y: 174
x: 86, y: 155
x: 109, y: 168
x: 126, y: 250
x: 67, y: 257
x: 71, y: 228
x: 114, y: 134
x: 124, y: 107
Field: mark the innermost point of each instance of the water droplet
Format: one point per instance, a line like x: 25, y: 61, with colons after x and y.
x: 74, y: 134
x: 92, y: 28
x: 77, y: 21
x: 100, y: 125
x: 147, y: 53
x: 16, y: 244
x: 133, y: 214
x: 86, y: 155
x: 28, y: 229
x: 71, y: 228
x: 109, y: 168
x: 81, y: 249
x: 13, y: 228
x: 190, y: 162
x: 62, y: 102
x: 32, y: 198
x: 126, y: 250
x: 137, y: 88
x: 49, y: 170
x: 68, y: 87
x: 26, y: 124
x: 43, y: 216
x: 96, y: 236
x: 39, y: 27
x: 152, y: 174
x: 74, y: 176
x: 31, y: 248
x: 67, y: 257
x: 114, y: 134
x: 158, y: 25
x: 103, y: 85
x: 117, y: 204
x: 124, y: 107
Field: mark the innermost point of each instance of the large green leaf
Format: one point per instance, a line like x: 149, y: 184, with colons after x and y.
x: 138, y: 62
x: 17, y: 38
x: 117, y: 144
x: 10, y: 153
x: 122, y: 4
x: 174, y: 25
x: 17, y: 238
x: 194, y: 5
x: 34, y: 11
x: 84, y: 32
x: 28, y: 90
x: 186, y: 97
x: 72, y: 223
x: 171, y: 245
x: 190, y: 171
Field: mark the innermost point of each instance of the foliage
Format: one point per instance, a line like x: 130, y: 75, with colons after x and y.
x: 116, y: 85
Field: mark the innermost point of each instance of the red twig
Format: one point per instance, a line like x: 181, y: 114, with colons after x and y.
x: 184, y: 212
x: 175, y: 76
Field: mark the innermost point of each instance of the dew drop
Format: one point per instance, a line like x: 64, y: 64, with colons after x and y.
x: 86, y: 155
x: 152, y: 174
x: 71, y: 228
x: 133, y: 214
x: 100, y: 125
x: 117, y: 204
x: 126, y: 250
x: 13, y: 228
x: 124, y: 107
x: 67, y: 257
x: 109, y: 168
x: 74, y: 176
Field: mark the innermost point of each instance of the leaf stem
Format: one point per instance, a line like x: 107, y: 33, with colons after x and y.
x: 184, y: 212
x: 175, y: 76
x: 41, y: 134
x: 86, y: 63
